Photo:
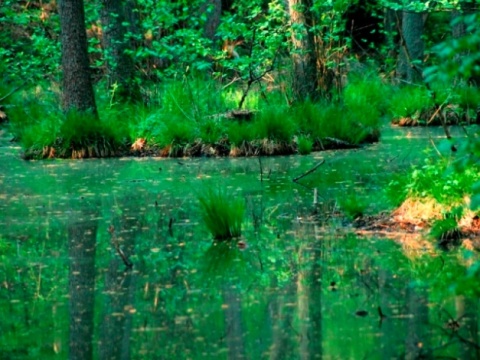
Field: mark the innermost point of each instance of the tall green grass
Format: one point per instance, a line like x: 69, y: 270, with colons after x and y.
x: 222, y: 213
x: 409, y: 102
x: 275, y: 123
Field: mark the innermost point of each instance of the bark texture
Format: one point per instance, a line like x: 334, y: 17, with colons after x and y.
x: 77, y: 84
x: 305, y: 85
x: 409, y: 66
x: 214, y: 12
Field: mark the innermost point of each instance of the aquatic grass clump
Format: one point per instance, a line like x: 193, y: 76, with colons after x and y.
x: 239, y: 132
x: 407, y: 103
x: 366, y: 98
x: 353, y: 205
x: 35, y: 117
x: 83, y: 135
x: 275, y: 123
x: 179, y: 130
x: 222, y: 213
x: 304, y: 145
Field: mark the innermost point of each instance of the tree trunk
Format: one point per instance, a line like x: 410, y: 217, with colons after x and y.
x: 77, y: 84
x: 409, y: 66
x: 305, y: 85
x: 120, y: 65
x: 213, y: 8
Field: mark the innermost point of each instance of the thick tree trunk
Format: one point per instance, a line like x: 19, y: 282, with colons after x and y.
x: 305, y: 84
x: 409, y: 66
x: 115, y: 15
x: 77, y: 84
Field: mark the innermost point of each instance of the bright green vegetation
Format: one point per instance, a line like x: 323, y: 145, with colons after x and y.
x: 194, y: 119
x: 368, y: 250
x: 190, y: 81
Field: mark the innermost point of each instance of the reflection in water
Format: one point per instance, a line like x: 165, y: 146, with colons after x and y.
x: 233, y: 323
x: 416, y: 342
x: 119, y: 289
x: 82, y: 234
x: 296, y: 292
x: 467, y: 321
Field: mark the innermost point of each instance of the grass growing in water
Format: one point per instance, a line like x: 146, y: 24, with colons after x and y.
x: 222, y: 213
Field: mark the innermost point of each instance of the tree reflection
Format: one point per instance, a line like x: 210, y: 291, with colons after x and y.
x: 119, y: 288
x: 82, y: 244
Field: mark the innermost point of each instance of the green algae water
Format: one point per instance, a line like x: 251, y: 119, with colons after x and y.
x: 109, y: 259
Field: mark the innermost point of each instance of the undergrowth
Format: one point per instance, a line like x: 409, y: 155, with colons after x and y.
x: 190, y: 116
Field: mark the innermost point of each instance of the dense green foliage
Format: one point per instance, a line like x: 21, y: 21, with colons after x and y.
x: 188, y: 79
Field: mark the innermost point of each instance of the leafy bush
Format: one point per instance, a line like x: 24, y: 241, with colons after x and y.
x: 439, y: 181
x: 222, y: 213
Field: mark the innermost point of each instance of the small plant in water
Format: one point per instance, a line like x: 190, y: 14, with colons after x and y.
x: 446, y: 231
x: 353, y: 206
x: 305, y: 145
x: 222, y: 213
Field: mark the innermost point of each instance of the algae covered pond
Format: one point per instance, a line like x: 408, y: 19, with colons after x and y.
x: 295, y: 289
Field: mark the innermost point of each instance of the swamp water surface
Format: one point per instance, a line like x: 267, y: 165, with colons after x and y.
x: 300, y: 289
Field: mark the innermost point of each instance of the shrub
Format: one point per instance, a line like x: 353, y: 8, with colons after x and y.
x: 222, y: 213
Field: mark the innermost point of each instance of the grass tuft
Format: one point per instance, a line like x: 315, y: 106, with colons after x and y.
x: 222, y: 213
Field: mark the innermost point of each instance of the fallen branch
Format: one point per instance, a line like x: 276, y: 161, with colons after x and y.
x: 116, y: 245
x: 309, y: 171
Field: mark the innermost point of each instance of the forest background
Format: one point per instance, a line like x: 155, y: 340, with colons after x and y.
x: 208, y: 78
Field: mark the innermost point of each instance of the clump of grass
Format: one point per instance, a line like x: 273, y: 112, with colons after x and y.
x: 353, y: 206
x: 366, y: 98
x: 35, y: 117
x: 83, y: 135
x: 222, y: 213
x: 211, y: 130
x: 409, y: 102
x: 275, y: 124
x: 446, y: 230
x: 304, y: 145
x: 239, y: 132
x: 178, y: 130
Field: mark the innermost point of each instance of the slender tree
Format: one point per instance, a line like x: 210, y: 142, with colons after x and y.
x: 118, y: 19
x: 77, y: 84
x: 305, y: 83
